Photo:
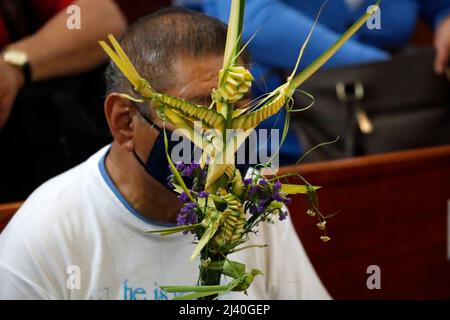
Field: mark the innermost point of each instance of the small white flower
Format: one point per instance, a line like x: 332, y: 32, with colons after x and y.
x: 322, y: 225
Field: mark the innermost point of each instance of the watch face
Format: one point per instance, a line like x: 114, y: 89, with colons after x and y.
x: 14, y: 57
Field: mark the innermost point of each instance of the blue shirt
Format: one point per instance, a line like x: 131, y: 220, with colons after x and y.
x: 283, y: 25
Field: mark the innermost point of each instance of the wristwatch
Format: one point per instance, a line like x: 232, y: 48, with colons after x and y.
x: 18, y: 59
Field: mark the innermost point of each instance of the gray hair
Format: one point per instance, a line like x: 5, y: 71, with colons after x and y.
x: 155, y: 41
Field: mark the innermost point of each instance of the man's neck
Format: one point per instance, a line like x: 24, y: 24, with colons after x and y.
x: 145, y: 194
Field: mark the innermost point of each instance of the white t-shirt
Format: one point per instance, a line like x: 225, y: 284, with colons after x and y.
x: 77, y: 237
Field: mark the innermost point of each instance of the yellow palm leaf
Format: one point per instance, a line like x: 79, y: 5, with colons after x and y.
x: 295, y: 188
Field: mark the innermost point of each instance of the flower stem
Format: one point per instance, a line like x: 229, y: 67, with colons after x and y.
x: 211, y: 273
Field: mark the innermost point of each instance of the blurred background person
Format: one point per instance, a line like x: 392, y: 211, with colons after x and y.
x: 52, y: 86
x: 51, y: 81
x: 40, y: 117
x: 281, y: 26
x: 37, y: 45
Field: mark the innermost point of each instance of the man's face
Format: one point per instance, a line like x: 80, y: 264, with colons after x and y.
x: 194, y: 79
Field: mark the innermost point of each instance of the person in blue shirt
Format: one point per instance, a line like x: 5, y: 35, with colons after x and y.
x: 281, y: 26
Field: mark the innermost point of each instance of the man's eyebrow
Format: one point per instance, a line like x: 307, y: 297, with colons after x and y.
x: 200, y: 98
x: 207, y: 98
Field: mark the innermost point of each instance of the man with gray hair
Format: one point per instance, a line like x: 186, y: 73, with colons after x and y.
x: 82, y: 235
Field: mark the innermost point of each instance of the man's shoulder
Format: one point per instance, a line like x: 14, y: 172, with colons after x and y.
x: 52, y: 229
x: 59, y: 197
x: 67, y: 184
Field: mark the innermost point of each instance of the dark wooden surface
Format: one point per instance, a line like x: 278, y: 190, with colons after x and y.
x: 392, y: 213
x: 6, y: 213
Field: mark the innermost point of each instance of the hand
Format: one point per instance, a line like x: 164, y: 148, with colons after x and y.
x: 442, y: 45
x: 11, y: 81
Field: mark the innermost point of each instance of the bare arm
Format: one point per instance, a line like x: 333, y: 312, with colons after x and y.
x: 57, y: 51
x: 442, y: 45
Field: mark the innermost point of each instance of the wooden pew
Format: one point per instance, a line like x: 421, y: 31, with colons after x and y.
x: 6, y: 213
x: 392, y: 212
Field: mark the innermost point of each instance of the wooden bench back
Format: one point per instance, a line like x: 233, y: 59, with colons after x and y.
x: 393, y: 212
x: 6, y: 213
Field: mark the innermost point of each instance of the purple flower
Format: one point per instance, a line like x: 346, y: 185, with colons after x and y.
x: 188, y: 171
x: 277, y: 197
x: 277, y: 186
x: 254, y: 189
x: 183, y: 197
x: 202, y: 194
x: 188, y: 208
x: 282, y: 215
x: 263, y: 182
x: 170, y: 181
x: 180, y: 166
x: 191, y: 205
x: 181, y: 219
x: 192, y: 218
x: 187, y: 216
x: 262, y: 204
x: 260, y: 208
x: 247, y: 182
x: 287, y: 201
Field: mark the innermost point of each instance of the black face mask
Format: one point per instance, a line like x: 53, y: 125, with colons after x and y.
x: 157, y: 165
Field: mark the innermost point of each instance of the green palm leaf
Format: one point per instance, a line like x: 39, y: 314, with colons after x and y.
x: 281, y: 95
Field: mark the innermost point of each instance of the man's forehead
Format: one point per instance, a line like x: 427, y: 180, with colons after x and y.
x: 194, y: 78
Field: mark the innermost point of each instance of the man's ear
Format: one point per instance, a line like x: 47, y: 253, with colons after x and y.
x: 119, y: 114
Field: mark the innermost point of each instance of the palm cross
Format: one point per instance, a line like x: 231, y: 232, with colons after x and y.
x: 222, y: 115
